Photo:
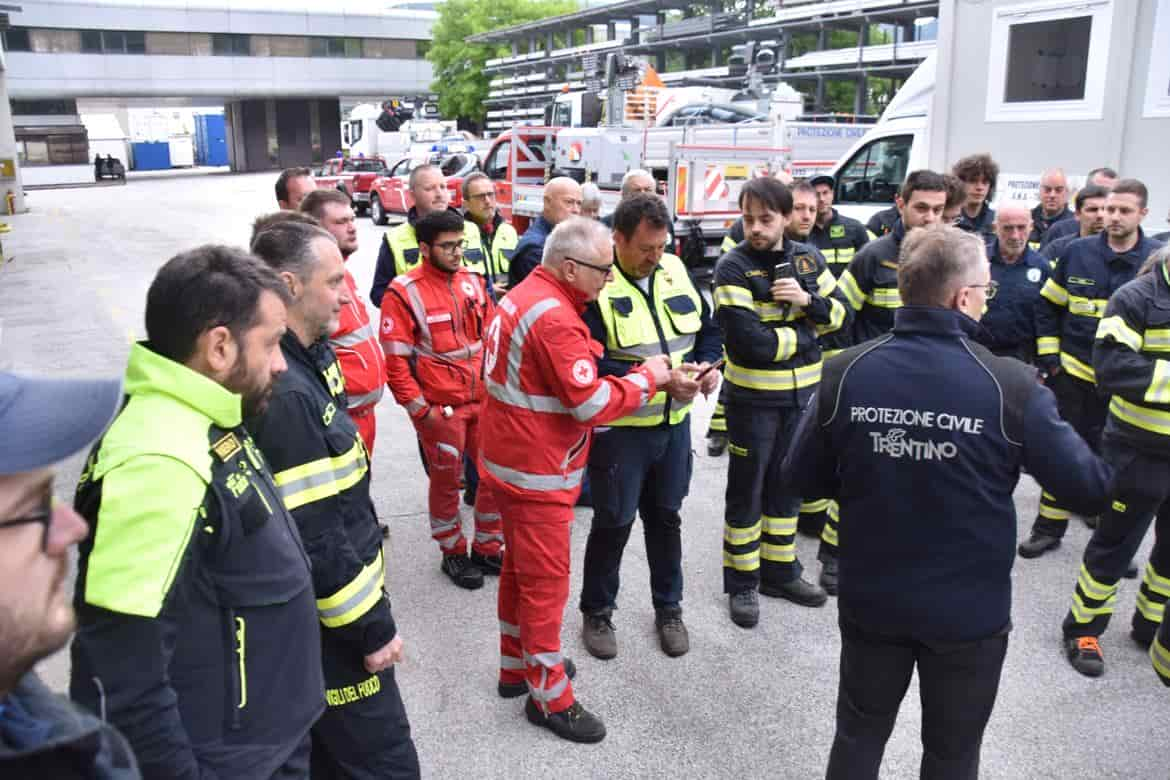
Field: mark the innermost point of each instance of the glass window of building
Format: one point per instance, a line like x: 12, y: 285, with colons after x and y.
x: 318, y: 47
x: 353, y: 47
x: 136, y: 42
x: 55, y: 41
x: 91, y: 41
x: 289, y: 46
x: 17, y: 39
x: 168, y: 43
x: 230, y: 45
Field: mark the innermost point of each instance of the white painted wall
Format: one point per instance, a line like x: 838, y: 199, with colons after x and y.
x: 33, y: 75
x: 49, y: 175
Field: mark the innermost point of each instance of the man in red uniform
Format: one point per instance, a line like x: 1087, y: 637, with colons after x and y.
x: 433, y: 318
x: 544, y: 397
x: 356, y: 341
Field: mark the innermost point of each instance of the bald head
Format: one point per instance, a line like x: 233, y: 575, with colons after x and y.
x: 1013, y: 225
x: 562, y: 199
x: 1053, y: 192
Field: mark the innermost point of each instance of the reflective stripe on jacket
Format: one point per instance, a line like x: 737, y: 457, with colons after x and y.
x: 544, y: 392
x: 358, y: 351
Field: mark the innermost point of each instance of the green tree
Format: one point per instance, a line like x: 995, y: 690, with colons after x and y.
x: 460, y: 82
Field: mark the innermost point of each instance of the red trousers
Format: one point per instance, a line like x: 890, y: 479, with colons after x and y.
x: 367, y: 425
x: 445, y: 440
x: 534, y: 586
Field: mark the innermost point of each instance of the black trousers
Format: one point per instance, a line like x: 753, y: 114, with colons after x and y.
x: 759, y: 532
x: 957, y: 682
x: 1085, y: 410
x: 364, y: 733
x: 1141, y: 491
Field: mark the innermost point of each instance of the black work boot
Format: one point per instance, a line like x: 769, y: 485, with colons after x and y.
x: 490, y: 565
x: 799, y: 591
x: 575, y: 724
x: 1131, y: 571
x: 828, y: 577
x: 716, y: 444
x: 672, y: 634
x: 599, y: 635
x: 745, y: 607
x: 1037, y: 545
x: 512, y: 690
x: 462, y: 571
x: 1084, y: 653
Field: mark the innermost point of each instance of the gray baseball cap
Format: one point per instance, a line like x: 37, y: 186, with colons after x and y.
x: 43, y: 421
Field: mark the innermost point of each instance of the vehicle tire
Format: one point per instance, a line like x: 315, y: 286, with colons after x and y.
x: 377, y: 213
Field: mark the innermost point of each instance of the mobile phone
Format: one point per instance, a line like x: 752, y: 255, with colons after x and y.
x: 713, y: 367
x: 783, y: 271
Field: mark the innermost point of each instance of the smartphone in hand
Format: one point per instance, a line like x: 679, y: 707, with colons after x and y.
x: 783, y: 271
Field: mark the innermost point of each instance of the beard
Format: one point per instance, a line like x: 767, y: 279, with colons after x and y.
x: 27, y: 637
x: 254, y: 393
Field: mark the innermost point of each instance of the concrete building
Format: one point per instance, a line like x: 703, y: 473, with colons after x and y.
x: 818, y: 43
x: 278, y: 70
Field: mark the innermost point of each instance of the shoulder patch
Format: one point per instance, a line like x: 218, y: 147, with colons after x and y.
x: 806, y: 264
x: 226, y: 447
x: 836, y: 231
x: 1033, y: 275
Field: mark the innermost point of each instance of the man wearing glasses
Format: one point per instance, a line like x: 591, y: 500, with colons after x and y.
x: 544, y: 398
x: 497, y: 237
x: 43, y: 422
x: 1018, y: 273
x: 926, y: 405
x: 433, y: 319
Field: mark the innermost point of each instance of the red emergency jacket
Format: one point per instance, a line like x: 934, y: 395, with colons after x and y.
x: 358, y: 352
x: 432, y: 337
x: 544, y: 394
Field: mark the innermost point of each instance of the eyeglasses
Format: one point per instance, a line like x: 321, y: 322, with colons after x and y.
x: 604, y: 269
x: 449, y: 246
x: 992, y: 288
x: 43, y: 516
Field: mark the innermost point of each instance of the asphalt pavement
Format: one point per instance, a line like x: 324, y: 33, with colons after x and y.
x: 742, y: 703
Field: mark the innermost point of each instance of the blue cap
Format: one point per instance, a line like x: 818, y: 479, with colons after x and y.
x: 44, y: 421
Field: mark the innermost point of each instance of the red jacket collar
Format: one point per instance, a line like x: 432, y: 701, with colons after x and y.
x: 574, y: 296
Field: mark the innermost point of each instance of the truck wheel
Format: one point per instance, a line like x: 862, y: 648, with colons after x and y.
x: 377, y: 213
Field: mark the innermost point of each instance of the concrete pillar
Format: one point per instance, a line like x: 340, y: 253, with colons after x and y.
x: 588, y: 33
x: 861, y: 98
x: 819, y: 100
x: 8, y: 150
x: 515, y: 48
x: 714, y: 55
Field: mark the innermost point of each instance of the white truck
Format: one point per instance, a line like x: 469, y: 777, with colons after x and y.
x: 361, y: 136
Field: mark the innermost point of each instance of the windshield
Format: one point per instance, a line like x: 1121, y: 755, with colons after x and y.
x: 365, y: 166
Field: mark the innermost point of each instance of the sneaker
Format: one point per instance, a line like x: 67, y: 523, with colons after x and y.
x: 1131, y: 571
x: 385, y: 529
x: 799, y: 591
x: 1084, y: 653
x: 516, y: 689
x: 672, y: 634
x: 599, y: 635
x: 575, y: 724
x: 1037, y: 545
x: 716, y: 444
x: 490, y: 565
x: 462, y: 571
x: 828, y: 578
x: 745, y: 608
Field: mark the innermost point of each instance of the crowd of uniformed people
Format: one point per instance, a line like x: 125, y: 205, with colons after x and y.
x: 883, y: 385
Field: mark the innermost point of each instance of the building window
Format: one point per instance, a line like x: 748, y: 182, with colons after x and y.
x: 53, y: 148
x: 421, y: 49
x: 34, y: 152
x: 168, y: 43
x: 91, y: 41
x: 43, y: 107
x: 55, y: 41
x: 288, y: 46
x: 16, y: 39
x: 136, y: 42
x: 1157, y: 98
x: 230, y: 45
x: 1049, y: 62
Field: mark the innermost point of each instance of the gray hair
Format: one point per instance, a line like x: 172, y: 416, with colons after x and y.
x: 288, y: 246
x: 577, y: 238
x: 632, y: 174
x: 590, y: 195
x: 415, y: 173
x: 1160, y: 257
x: 935, y: 262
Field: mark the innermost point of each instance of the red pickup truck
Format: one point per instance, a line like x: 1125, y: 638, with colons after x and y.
x: 352, y: 175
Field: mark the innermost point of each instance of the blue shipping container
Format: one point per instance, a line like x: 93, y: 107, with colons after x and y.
x: 210, y: 140
x: 151, y: 155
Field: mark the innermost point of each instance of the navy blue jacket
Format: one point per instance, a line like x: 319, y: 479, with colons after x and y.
x: 919, y: 435
x: 883, y: 221
x: 982, y: 224
x: 1041, y: 224
x: 1009, y: 325
x: 1053, y: 250
x: 1065, y: 227
x: 529, y: 250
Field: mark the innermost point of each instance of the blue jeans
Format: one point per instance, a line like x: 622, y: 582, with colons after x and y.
x: 646, y: 470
